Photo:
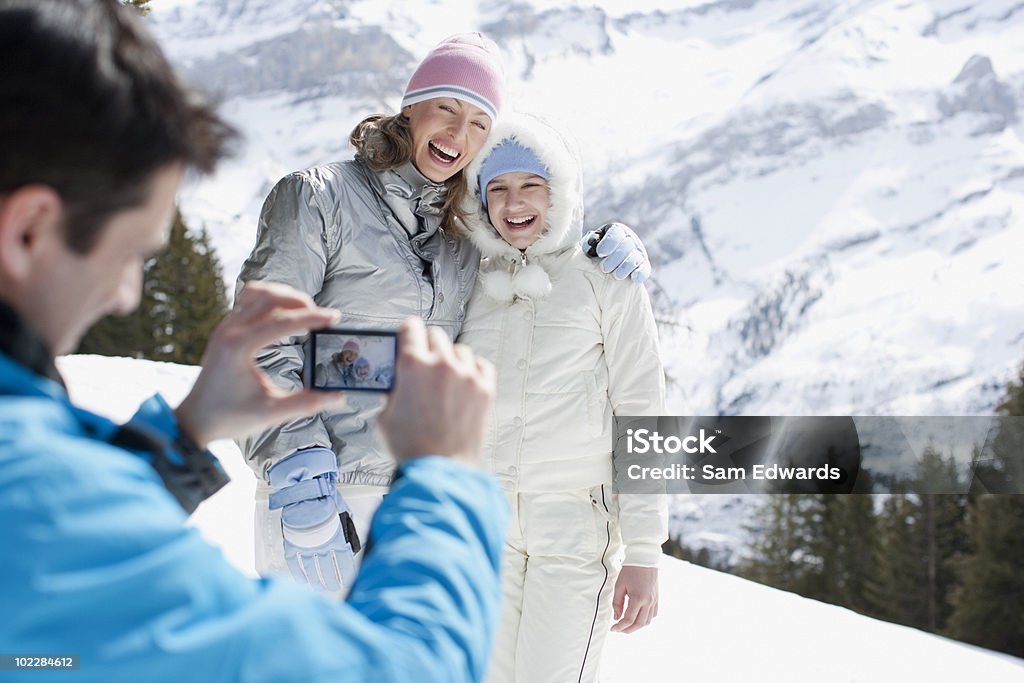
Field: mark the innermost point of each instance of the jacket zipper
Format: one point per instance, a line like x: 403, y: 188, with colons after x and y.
x: 515, y: 270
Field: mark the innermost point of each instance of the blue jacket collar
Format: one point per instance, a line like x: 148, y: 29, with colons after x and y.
x: 24, y: 346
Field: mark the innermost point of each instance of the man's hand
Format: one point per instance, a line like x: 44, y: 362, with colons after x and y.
x: 441, y: 397
x: 640, y: 586
x: 232, y: 397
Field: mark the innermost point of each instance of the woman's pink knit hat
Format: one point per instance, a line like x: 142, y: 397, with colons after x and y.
x: 465, y: 66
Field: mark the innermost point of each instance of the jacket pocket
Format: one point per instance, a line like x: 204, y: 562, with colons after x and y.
x: 605, y: 503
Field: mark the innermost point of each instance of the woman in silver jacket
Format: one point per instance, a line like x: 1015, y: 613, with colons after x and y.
x: 572, y: 348
x: 377, y: 238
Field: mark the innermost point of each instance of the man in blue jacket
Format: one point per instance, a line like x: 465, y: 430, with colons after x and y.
x: 96, y: 133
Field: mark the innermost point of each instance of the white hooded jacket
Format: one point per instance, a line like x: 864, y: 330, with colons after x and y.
x: 572, y: 346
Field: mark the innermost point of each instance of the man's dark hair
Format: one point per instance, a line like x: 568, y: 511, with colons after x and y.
x: 90, y: 106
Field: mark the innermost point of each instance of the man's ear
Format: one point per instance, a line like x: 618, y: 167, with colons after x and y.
x: 30, y: 220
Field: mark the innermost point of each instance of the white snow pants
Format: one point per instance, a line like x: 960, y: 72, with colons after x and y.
x: 363, y: 500
x: 560, y: 563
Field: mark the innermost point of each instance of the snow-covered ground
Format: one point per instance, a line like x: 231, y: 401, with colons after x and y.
x: 711, y: 626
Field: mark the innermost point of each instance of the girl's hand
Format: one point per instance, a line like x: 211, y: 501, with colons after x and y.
x: 635, y: 602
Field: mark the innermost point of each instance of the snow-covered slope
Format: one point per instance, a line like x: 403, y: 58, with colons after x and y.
x: 716, y: 627
x: 832, y: 192
x: 711, y: 626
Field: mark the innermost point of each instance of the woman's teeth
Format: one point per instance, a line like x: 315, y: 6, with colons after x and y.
x: 445, y: 154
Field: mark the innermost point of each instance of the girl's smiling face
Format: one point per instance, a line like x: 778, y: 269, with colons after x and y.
x: 517, y: 204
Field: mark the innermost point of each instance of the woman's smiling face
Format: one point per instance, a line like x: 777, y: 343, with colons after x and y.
x: 517, y: 204
x: 446, y: 135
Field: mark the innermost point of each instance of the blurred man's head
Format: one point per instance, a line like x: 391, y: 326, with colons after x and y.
x: 96, y: 132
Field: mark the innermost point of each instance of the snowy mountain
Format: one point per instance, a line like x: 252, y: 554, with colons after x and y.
x: 711, y: 626
x: 832, y: 193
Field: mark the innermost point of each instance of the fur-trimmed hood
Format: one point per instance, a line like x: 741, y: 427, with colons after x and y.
x: 559, y: 155
x: 564, y: 218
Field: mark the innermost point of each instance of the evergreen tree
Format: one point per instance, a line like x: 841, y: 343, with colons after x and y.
x: 1006, y: 473
x: 894, y: 593
x: 1013, y: 403
x: 187, y: 296
x: 814, y: 523
x: 674, y: 547
x: 781, y: 553
x: 851, y: 537
x: 988, y: 603
x: 817, y: 545
x: 183, y: 299
x: 919, y: 534
x: 942, y: 528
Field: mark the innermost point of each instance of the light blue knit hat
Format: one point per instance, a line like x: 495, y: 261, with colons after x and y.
x: 509, y: 156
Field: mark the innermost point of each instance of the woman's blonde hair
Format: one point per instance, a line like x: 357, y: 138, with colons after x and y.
x: 385, y: 142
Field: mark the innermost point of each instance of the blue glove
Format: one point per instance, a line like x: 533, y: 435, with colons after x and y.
x: 320, y: 540
x: 620, y: 250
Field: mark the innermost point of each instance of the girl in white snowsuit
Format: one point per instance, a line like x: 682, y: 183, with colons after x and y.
x: 572, y: 347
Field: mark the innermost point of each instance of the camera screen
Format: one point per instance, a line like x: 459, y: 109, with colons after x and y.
x: 353, y: 361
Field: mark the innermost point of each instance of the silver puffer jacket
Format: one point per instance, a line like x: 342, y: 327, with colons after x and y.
x: 368, y: 244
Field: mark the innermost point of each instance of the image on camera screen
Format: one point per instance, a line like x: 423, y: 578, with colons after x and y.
x: 354, y: 361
